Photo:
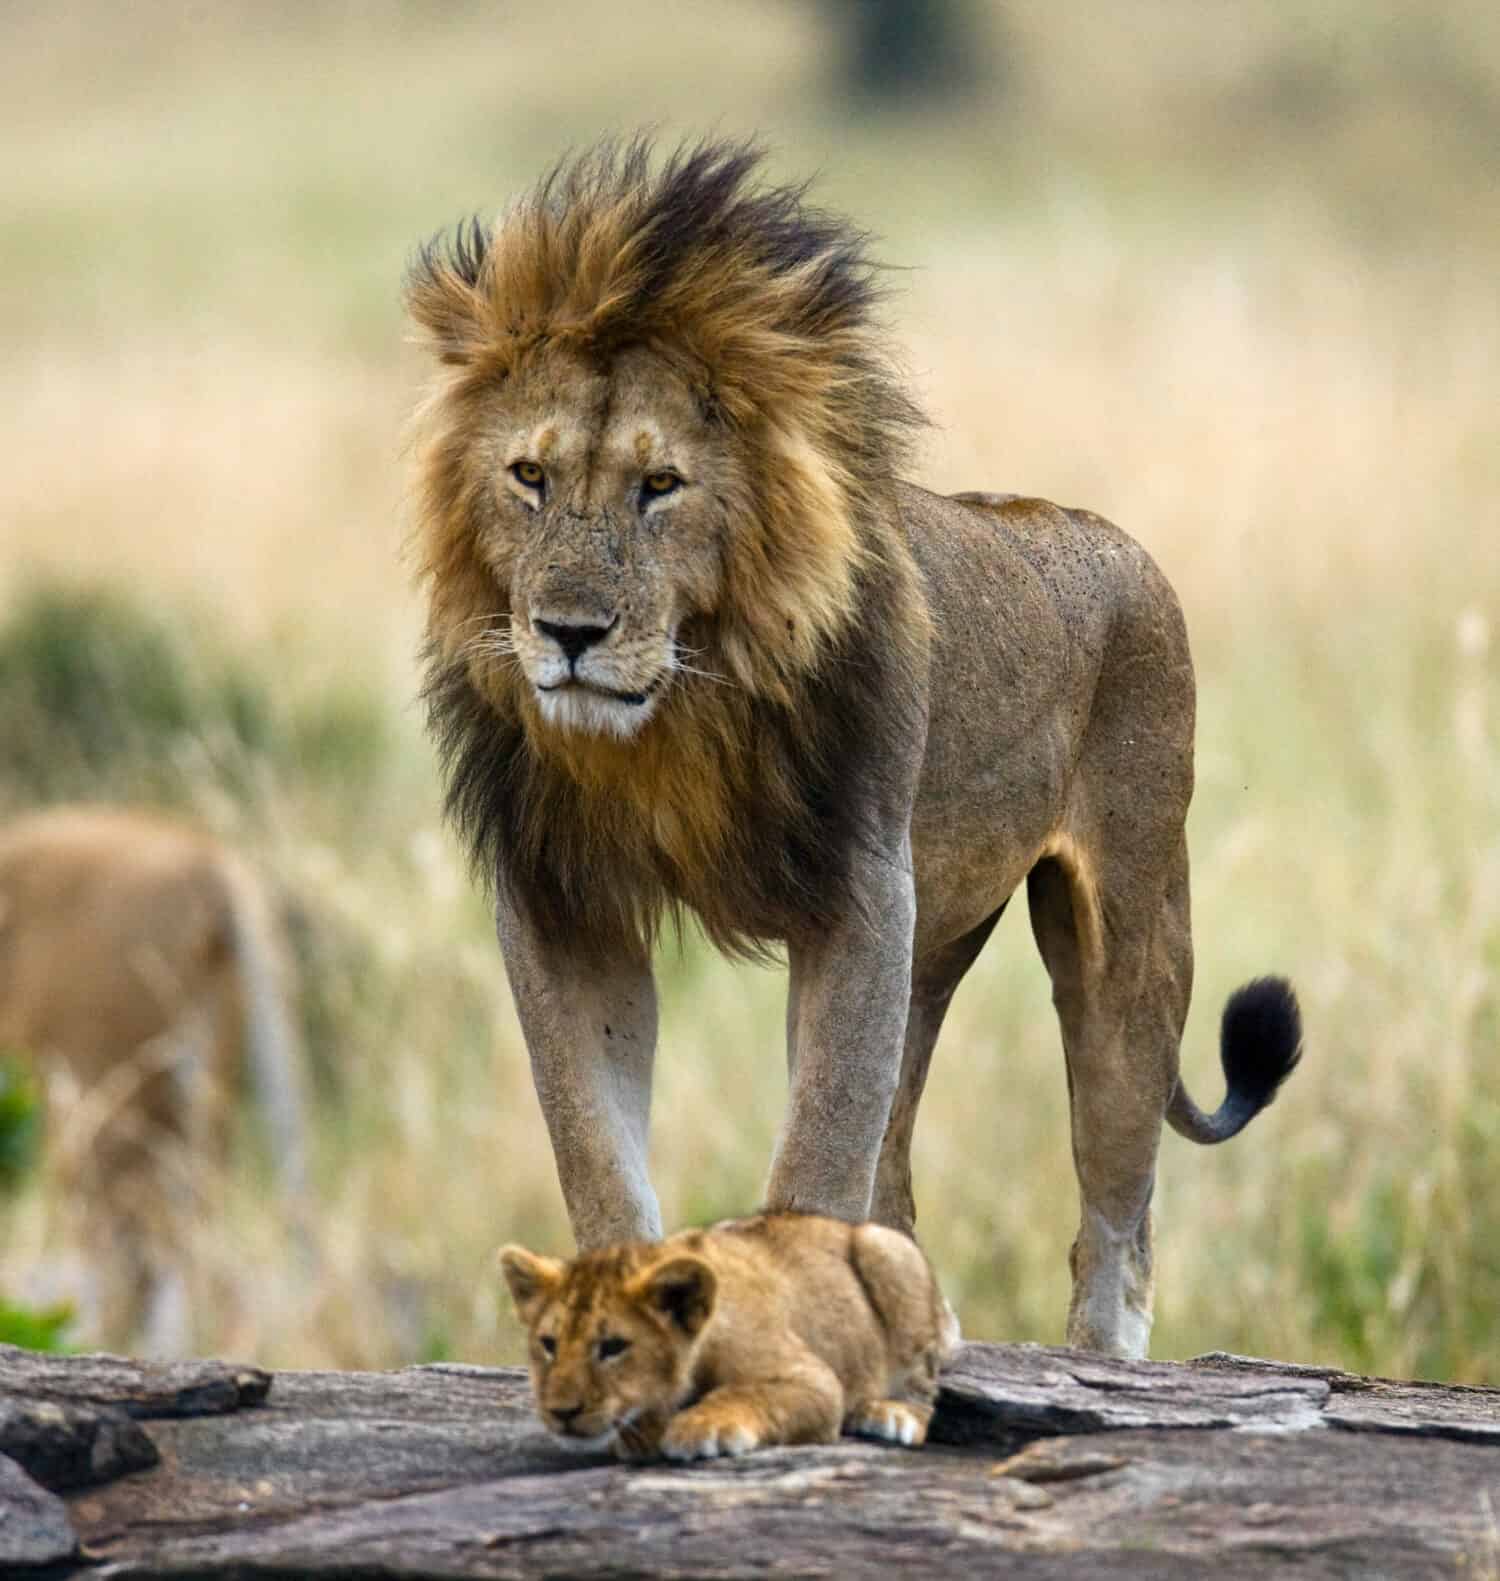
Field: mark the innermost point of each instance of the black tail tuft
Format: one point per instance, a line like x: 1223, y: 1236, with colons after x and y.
x: 1260, y: 1043
x: 1260, y: 1040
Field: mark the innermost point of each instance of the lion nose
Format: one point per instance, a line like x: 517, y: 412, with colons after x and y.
x: 566, y: 1415
x: 573, y: 637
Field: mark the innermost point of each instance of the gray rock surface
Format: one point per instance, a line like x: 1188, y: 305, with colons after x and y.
x: 34, y: 1524
x: 1044, y: 1463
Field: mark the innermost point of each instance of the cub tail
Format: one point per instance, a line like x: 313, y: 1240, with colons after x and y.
x: 1260, y: 1044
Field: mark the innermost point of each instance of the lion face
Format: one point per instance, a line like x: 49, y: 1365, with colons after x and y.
x: 609, y: 1341
x: 607, y: 489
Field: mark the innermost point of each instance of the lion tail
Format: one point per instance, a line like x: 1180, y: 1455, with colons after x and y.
x: 1260, y: 1043
x: 273, y: 1048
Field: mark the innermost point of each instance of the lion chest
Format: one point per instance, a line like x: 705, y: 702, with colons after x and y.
x: 738, y: 836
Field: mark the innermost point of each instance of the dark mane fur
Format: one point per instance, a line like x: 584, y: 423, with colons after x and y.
x: 769, y: 303
x: 784, y: 870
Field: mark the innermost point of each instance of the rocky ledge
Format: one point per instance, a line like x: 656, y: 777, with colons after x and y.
x: 1043, y: 1463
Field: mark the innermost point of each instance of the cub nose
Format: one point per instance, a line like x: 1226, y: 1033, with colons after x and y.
x: 565, y: 1417
x: 571, y: 636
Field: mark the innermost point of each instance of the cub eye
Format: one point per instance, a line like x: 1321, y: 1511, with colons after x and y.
x: 655, y: 484
x: 529, y: 473
x: 548, y: 1344
x: 612, y: 1346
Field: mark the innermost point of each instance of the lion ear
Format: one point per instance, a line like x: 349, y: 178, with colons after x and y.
x: 532, y: 1279
x: 682, y: 1290
x: 444, y: 295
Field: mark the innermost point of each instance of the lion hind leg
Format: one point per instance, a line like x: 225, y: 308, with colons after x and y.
x: 1121, y: 993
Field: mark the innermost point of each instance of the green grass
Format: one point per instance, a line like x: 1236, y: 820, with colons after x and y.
x: 20, y: 1120
x: 33, y: 1327
x: 93, y: 686
x: 104, y: 695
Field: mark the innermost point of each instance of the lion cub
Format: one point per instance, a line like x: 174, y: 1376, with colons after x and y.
x: 780, y: 1329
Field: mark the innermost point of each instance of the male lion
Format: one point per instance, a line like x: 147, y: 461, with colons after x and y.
x: 782, y: 1329
x: 692, y: 644
x: 140, y: 970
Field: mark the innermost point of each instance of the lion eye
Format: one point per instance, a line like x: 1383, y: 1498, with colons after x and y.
x: 656, y: 484
x: 613, y: 1346
x: 529, y: 473
x: 549, y: 1345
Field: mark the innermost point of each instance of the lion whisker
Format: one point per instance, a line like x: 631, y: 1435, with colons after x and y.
x: 680, y: 653
x: 491, y: 636
x: 707, y: 675
x: 490, y: 645
x: 496, y: 616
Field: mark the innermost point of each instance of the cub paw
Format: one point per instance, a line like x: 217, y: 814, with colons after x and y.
x: 695, y: 1436
x: 891, y: 1420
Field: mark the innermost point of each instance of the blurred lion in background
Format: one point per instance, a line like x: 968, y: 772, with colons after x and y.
x: 142, y: 973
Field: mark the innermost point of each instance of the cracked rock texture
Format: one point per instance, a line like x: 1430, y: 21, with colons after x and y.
x: 1043, y: 1463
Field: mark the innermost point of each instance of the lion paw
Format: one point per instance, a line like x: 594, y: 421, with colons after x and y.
x: 695, y: 1436
x: 892, y: 1420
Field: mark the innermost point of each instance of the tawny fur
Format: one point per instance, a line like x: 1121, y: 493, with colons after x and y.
x: 784, y: 1329
x: 141, y: 973
x: 694, y: 647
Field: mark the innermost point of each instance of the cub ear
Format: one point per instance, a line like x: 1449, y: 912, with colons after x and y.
x: 531, y: 1278
x: 683, y: 1290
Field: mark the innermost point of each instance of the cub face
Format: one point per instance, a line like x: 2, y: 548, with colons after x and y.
x: 610, y: 1340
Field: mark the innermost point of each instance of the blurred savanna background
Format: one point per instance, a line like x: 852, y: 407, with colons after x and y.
x: 1227, y: 274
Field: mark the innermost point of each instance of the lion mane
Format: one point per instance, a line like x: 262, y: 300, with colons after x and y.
x: 729, y: 802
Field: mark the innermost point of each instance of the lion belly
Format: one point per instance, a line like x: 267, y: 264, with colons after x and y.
x: 1026, y: 600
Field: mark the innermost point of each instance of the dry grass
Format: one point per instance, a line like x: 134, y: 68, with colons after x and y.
x: 1225, y: 278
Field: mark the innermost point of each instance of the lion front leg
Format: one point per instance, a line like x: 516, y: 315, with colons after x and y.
x: 590, y: 1028
x: 846, y: 1019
